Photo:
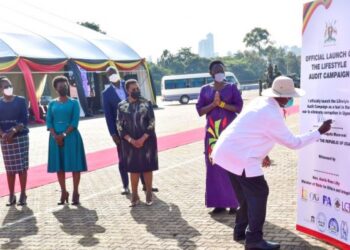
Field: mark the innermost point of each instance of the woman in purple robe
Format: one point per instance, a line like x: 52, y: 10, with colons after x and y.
x: 220, y: 101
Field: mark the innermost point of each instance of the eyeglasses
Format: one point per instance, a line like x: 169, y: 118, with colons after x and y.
x: 7, y: 87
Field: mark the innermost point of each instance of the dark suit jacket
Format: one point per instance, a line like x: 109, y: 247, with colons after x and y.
x: 110, y: 106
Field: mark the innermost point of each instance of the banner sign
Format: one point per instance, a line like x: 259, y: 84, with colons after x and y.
x: 324, y: 167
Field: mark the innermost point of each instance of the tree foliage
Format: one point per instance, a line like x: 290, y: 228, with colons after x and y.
x: 93, y: 26
x: 258, y: 39
x: 250, y: 65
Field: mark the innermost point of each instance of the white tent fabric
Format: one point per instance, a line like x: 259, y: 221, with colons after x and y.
x: 29, y: 32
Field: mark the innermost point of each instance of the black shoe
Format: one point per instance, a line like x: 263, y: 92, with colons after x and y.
x: 64, y: 198
x: 238, y: 236
x: 218, y: 210
x: 125, y: 191
x: 22, y: 200
x: 153, y: 189
x: 263, y: 245
x: 75, y: 199
x: 232, y: 211
x: 12, y: 200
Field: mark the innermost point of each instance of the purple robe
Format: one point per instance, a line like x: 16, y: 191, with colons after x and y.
x: 219, y: 191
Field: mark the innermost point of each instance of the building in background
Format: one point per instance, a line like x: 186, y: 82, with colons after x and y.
x: 206, y: 47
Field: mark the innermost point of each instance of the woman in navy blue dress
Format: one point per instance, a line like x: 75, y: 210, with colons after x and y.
x: 14, y: 139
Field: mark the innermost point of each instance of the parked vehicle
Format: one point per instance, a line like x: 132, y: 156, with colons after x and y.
x: 184, y: 88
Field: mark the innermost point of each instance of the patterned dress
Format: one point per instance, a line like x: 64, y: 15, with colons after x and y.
x: 70, y: 157
x: 136, y: 119
x: 15, y: 154
x: 219, y: 192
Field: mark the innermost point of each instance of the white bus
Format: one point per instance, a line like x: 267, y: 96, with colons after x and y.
x: 184, y: 88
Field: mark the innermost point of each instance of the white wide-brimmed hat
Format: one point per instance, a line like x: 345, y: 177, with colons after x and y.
x: 283, y: 86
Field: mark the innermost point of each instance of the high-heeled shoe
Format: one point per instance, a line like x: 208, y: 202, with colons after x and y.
x: 135, y: 200
x: 12, y: 200
x: 64, y: 198
x: 22, y: 200
x: 75, y: 199
x: 149, y: 200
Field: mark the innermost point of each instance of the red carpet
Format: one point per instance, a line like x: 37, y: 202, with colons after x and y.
x: 38, y: 176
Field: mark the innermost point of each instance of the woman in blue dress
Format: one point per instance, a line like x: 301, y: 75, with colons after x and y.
x: 14, y: 139
x: 66, y: 148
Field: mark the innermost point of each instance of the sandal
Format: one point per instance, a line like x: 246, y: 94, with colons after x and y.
x: 135, y: 200
x: 149, y: 200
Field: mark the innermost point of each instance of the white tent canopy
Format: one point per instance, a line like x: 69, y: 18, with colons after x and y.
x: 29, y: 32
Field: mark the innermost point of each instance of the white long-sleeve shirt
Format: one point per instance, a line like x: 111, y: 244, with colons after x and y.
x: 247, y: 140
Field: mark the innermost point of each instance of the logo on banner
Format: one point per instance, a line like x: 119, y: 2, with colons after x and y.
x: 345, y: 207
x: 330, y: 32
x: 344, y: 231
x: 333, y: 226
x: 327, y: 201
x: 304, y: 194
x: 314, y: 197
x: 321, y: 222
x: 337, y: 204
x: 312, y: 219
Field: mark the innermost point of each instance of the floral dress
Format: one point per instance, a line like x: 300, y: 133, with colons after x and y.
x: 219, y: 192
x: 136, y: 119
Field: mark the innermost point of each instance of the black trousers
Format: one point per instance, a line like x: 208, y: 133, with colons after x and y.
x: 252, y: 196
x: 122, y: 169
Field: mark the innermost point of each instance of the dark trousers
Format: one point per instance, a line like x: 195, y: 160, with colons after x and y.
x: 252, y: 196
x: 122, y: 169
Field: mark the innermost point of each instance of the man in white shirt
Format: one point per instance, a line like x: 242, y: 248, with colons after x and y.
x: 242, y: 150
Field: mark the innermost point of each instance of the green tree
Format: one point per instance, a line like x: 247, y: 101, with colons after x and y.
x: 257, y: 39
x: 157, y: 73
x: 93, y: 26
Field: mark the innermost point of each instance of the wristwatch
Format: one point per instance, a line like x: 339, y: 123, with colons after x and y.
x: 64, y: 134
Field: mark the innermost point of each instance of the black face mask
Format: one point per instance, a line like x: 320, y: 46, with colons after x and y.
x: 136, y: 94
x: 62, y: 91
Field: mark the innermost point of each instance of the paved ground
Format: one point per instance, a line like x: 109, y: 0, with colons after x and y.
x: 177, y: 220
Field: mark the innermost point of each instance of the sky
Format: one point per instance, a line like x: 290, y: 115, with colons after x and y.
x: 151, y: 26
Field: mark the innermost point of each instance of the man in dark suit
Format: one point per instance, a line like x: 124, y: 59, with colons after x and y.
x: 112, y: 96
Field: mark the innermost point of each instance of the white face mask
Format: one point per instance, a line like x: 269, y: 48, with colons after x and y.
x: 8, y: 91
x: 219, y: 77
x: 114, y: 78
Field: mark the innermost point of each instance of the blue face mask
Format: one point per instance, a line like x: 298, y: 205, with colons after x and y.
x: 289, y: 103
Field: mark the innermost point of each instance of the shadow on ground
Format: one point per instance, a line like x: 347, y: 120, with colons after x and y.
x: 270, y: 228
x: 80, y: 221
x: 19, y: 222
x: 164, y: 221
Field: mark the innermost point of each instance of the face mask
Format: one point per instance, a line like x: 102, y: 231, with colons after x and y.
x: 136, y: 94
x: 62, y: 91
x: 8, y: 91
x: 114, y: 78
x: 219, y: 77
x: 289, y: 103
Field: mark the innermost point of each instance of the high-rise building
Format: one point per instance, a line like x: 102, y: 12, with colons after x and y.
x: 206, y: 47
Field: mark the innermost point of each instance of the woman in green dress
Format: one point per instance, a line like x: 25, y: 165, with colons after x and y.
x: 66, y: 148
